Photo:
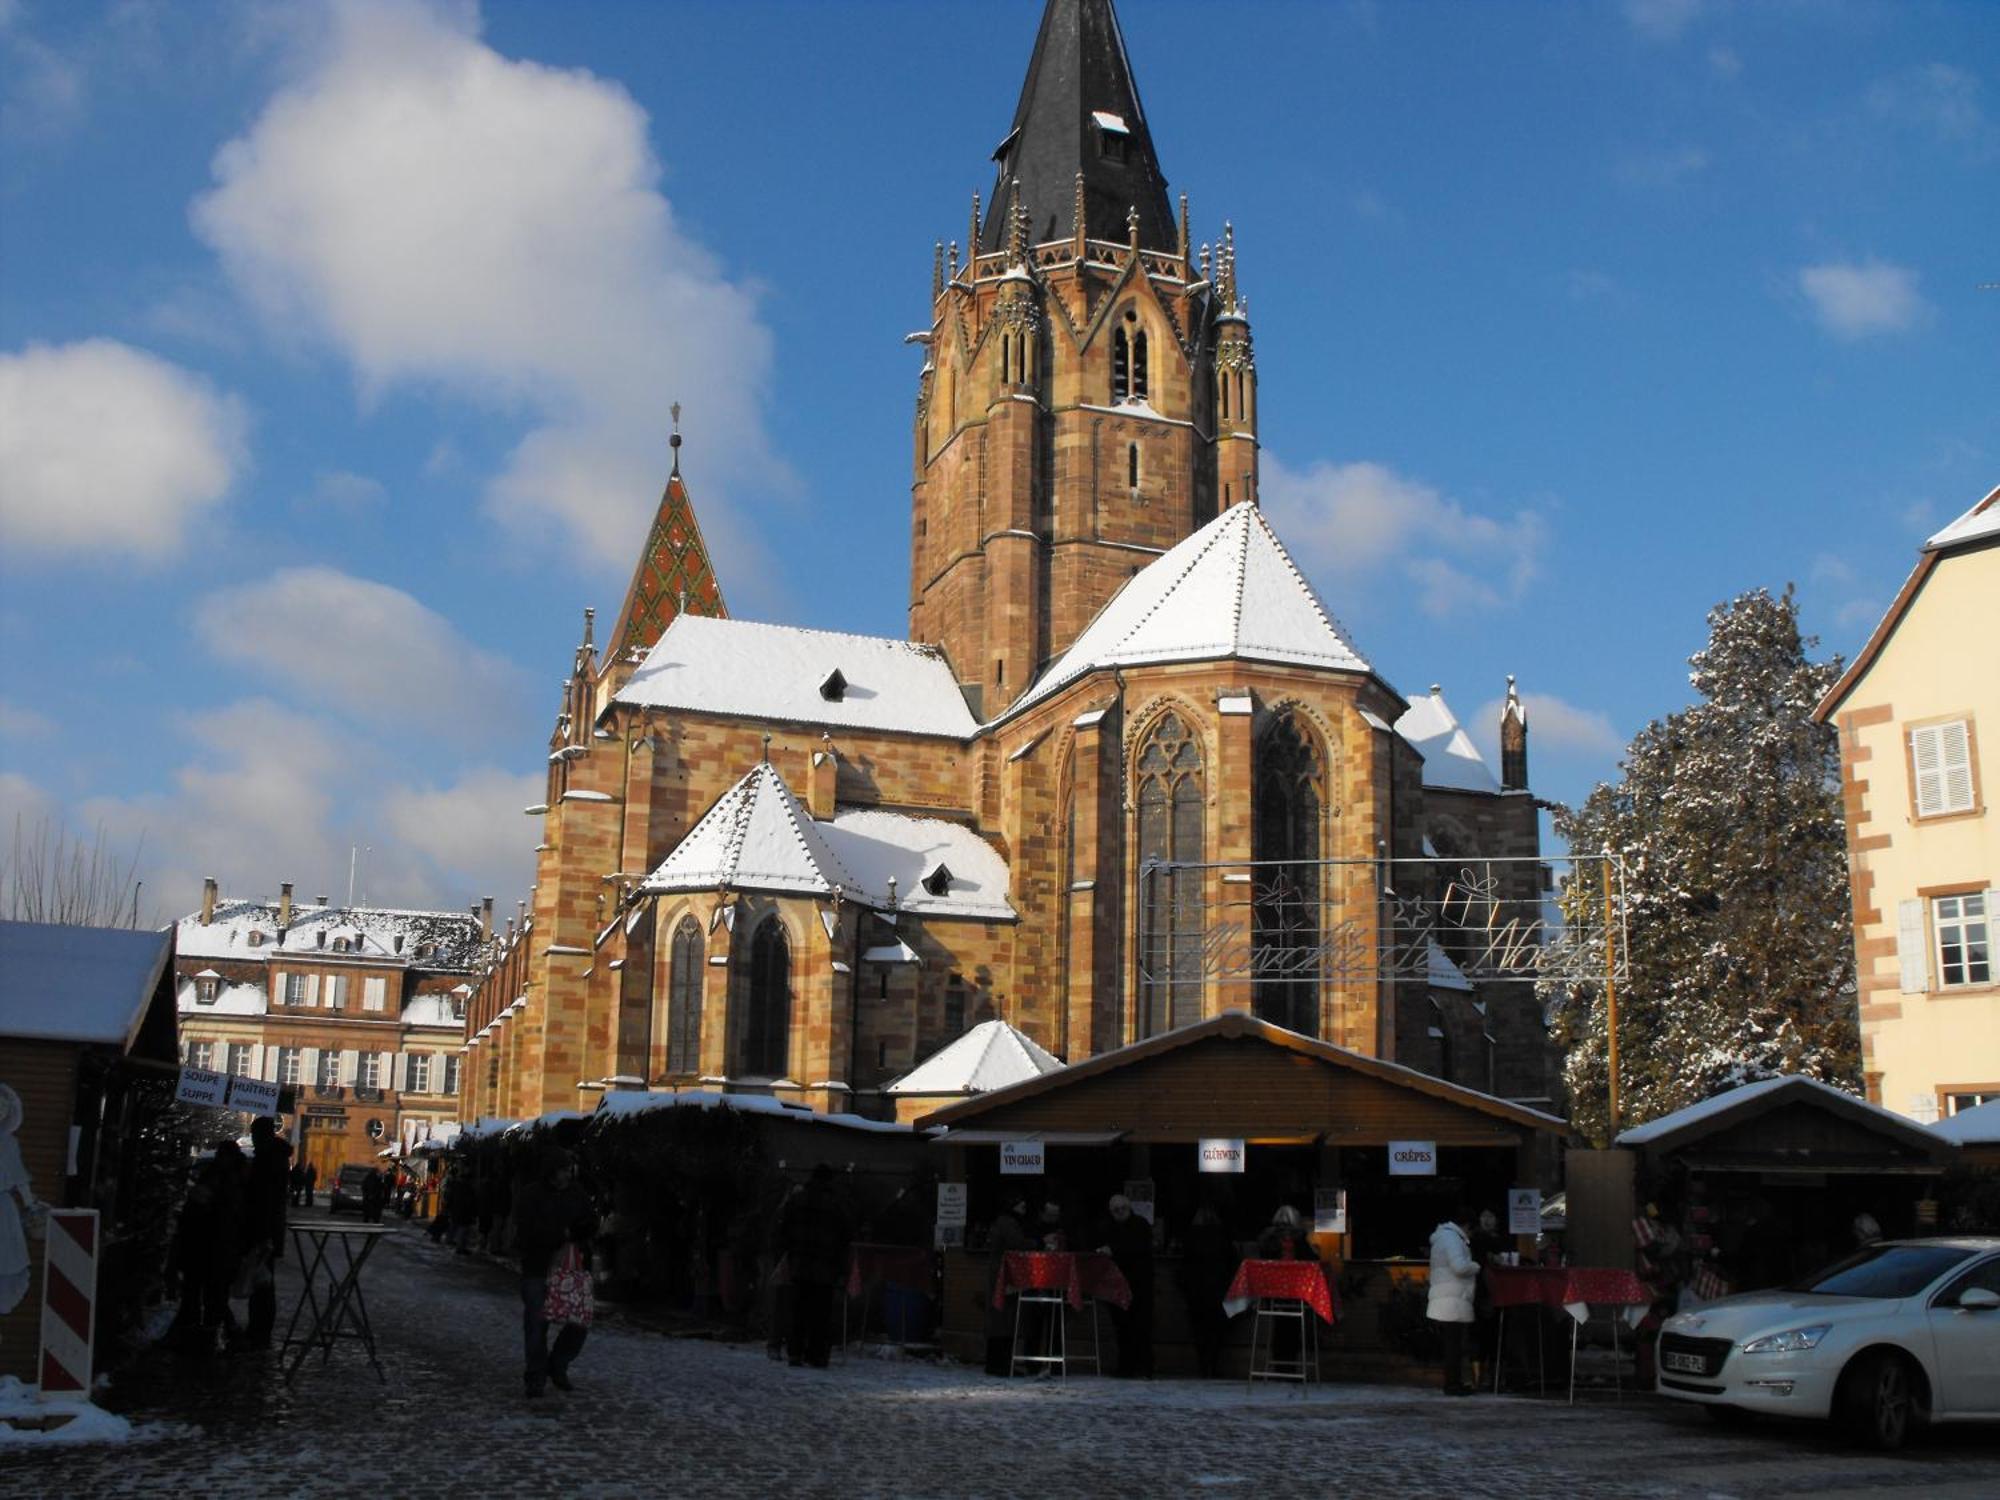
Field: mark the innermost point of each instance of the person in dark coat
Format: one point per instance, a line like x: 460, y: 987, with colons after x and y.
x: 813, y: 1233
x: 297, y: 1183
x: 207, y: 1244
x: 1208, y: 1261
x: 550, y: 1212
x: 312, y: 1182
x: 265, y: 1201
x: 1128, y: 1240
x: 1008, y: 1233
x: 374, y: 1192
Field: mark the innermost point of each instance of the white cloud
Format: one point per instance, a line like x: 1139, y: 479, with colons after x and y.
x: 1662, y: 20
x: 353, y: 494
x: 473, y: 829
x: 106, y: 448
x: 272, y: 794
x: 41, y: 91
x: 1829, y: 567
x: 19, y: 722
x: 1859, y: 612
x: 23, y: 805
x: 1661, y: 167
x: 446, y: 217
x: 1553, y: 724
x: 365, y: 647
x: 1856, y: 301
x: 1356, y: 519
x: 1936, y: 97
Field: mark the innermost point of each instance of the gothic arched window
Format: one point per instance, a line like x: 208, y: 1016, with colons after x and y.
x: 1170, y: 898
x: 767, y: 1027
x: 1139, y: 365
x: 1121, y: 366
x: 684, y: 998
x: 1285, y: 845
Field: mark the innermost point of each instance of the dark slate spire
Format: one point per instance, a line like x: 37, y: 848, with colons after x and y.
x: 1079, y: 114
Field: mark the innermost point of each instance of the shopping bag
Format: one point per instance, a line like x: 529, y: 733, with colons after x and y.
x: 571, y: 1298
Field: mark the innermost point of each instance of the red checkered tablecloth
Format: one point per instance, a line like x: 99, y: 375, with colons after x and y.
x: 1298, y: 1280
x: 1075, y: 1275
x: 1566, y: 1287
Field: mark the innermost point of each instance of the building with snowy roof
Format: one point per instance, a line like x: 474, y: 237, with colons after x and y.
x: 1128, y: 771
x: 1918, y: 714
x: 358, y: 1011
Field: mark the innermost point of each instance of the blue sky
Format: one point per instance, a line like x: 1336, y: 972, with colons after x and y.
x: 337, y: 342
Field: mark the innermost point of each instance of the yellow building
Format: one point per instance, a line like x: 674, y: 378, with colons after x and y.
x: 1919, y: 719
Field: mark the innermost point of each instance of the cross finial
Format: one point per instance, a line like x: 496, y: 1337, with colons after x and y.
x: 674, y: 442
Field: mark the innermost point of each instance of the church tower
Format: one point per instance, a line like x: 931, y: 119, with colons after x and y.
x: 1090, y: 395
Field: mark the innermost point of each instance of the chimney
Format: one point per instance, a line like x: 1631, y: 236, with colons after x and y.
x: 1513, y: 742
x: 399, y: 942
x: 321, y: 900
x: 284, y: 905
x: 207, y: 900
x: 486, y: 919
x: 821, y: 780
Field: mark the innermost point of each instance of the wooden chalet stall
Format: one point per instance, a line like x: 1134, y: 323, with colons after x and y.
x: 1767, y: 1179
x: 85, y: 1012
x: 1315, y: 1121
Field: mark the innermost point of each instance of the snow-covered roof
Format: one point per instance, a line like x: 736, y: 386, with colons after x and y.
x: 1709, y: 1110
x: 1228, y: 591
x: 1978, y: 1126
x: 248, y: 930
x: 752, y: 670
x: 620, y: 1105
x: 1451, y: 761
x: 231, y: 999
x: 990, y: 1056
x: 1977, y: 524
x: 78, y: 984
x: 759, y: 836
x: 432, y: 1010
x: 1444, y: 974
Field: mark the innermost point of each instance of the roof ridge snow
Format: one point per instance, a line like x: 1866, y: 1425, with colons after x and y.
x: 1194, y: 561
x: 819, y: 854
x: 1326, y: 616
x: 918, y: 648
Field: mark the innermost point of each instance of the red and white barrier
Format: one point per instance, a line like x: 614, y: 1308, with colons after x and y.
x: 69, y: 1303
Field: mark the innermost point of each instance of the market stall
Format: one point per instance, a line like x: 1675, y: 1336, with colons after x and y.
x: 1227, y: 1122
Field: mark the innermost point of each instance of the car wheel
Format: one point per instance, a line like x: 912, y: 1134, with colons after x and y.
x: 1880, y: 1401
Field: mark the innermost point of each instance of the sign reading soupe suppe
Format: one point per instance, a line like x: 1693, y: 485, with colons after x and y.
x: 1216, y: 1155
x: 1413, y: 1159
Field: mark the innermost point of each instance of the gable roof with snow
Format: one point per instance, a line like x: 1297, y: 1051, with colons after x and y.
x: 1978, y: 1126
x: 92, y: 985
x: 993, y: 1055
x: 752, y: 670
x: 248, y: 931
x: 231, y: 998
x: 1980, y: 523
x: 1230, y: 590
x: 758, y: 836
x: 1683, y: 1127
x: 1451, y: 761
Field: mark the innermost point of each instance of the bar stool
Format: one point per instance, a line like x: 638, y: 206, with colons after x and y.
x: 1054, y: 1340
x: 1272, y: 1313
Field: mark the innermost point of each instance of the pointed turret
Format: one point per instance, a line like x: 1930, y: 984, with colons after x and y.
x: 1513, y: 741
x: 674, y: 576
x: 1079, y: 119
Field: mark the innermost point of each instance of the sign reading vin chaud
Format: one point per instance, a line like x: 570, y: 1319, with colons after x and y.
x: 1413, y: 1159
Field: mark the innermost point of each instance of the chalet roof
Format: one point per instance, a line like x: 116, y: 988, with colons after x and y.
x: 1230, y: 590
x: 990, y: 1056
x: 1978, y: 527
x: 1238, y: 1024
x: 1685, y: 1127
x: 92, y: 985
x: 1079, y: 115
x: 1978, y: 1126
x: 759, y: 837
x: 1451, y: 761
x: 784, y: 673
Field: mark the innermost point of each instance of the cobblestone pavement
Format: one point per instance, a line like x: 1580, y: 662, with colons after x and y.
x: 659, y: 1415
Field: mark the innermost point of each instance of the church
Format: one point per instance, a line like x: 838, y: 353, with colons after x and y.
x: 1128, y: 771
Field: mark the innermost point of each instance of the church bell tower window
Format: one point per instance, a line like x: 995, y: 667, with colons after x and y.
x: 1171, y: 807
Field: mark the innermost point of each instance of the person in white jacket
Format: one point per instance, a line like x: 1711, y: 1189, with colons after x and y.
x: 1454, y: 1277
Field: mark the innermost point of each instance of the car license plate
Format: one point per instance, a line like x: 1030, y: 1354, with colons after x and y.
x: 1692, y: 1364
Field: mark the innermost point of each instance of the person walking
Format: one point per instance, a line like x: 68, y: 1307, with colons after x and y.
x: 1454, y: 1274
x: 312, y: 1182
x: 373, y: 1193
x: 1007, y: 1234
x: 296, y: 1183
x: 265, y: 1199
x: 1208, y: 1261
x: 814, y: 1236
x: 551, y: 1213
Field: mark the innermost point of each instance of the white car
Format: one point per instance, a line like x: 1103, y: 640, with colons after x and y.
x: 1905, y: 1331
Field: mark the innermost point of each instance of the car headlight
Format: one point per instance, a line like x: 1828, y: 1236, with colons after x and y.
x: 1790, y: 1341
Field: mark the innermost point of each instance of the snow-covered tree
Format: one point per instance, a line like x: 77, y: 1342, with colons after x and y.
x: 1737, y: 940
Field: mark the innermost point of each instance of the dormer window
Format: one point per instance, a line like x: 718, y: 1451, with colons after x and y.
x: 341, y: 945
x: 207, y: 985
x: 833, y: 687
x: 938, y: 879
x: 255, y: 937
x: 1114, y: 136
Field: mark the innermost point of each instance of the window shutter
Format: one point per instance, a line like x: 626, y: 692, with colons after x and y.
x: 278, y: 986
x: 309, y: 1067
x: 1911, y: 946
x: 399, y: 1077
x: 270, y: 1073
x: 1955, y: 745
x: 350, y: 1066
x: 312, y: 989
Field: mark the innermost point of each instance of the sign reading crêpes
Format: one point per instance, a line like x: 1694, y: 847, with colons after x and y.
x: 1413, y: 1159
